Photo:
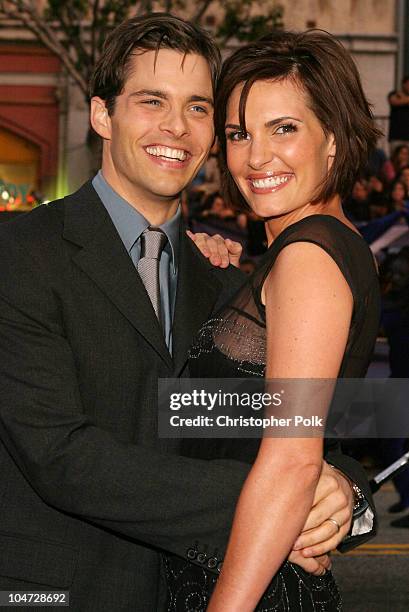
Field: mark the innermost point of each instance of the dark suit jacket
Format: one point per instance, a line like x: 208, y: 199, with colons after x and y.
x: 88, y: 495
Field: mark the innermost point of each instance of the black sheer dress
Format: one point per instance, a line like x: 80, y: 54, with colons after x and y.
x: 233, y: 344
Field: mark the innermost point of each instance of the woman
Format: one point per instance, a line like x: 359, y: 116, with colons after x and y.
x: 398, y: 198
x: 404, y: 176
x: 295, y: 130
x: 399, y: 159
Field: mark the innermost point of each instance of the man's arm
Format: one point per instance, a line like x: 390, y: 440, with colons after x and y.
x: 75, y: 465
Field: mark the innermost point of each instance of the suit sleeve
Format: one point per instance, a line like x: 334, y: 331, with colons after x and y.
x: 168, y: 502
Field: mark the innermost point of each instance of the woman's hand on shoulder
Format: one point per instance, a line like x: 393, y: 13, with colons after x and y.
x: 220, y: 251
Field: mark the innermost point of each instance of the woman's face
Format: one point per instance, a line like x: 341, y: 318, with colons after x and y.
x: 398, y: 193
x: 403, y: 156
x: 284, y: 156
x: 359, y: 191
x: 405, y: 177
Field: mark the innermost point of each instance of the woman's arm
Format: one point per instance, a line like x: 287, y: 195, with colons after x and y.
x: 308, y: 313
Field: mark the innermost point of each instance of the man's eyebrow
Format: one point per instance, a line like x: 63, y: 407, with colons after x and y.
x: 201, y: 99
x: 157, y: 93
x: 150, y: 92
x: 271, y: 123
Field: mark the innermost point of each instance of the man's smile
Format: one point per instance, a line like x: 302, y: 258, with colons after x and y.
x: 167, y: 153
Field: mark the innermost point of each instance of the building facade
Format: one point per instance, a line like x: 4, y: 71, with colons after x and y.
x: 44, y: 116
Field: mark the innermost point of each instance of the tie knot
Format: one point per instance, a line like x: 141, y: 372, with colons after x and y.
x: 153, y: 241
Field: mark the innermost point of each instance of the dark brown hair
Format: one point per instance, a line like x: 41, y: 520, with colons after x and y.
x: 323, y: 68
x: 148, y: 32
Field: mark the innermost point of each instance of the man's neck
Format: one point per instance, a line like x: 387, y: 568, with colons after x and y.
x: 155, y: 210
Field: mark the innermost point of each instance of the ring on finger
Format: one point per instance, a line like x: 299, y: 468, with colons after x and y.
x: 337, y: 525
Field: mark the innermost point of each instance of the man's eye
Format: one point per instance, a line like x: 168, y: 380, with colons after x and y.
x: 199, y: 109
x: 287, y: 128
x: 152, y: 102
x: 237, y: 136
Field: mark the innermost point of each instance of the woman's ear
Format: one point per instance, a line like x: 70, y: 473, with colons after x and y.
x: 100, y: 119
x: 331, y: 150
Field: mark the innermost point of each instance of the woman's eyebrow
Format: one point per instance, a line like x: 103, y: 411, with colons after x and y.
x: 274, y: 122
x: 271, y: 123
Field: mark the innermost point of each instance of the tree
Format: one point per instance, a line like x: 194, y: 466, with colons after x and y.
x: 75, y: 30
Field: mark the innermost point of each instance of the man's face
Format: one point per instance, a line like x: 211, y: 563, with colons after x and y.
x: 161, y: 130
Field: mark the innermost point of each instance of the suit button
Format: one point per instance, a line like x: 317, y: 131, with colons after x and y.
x: 219, y: 567
x: 201, y: 557
x: 191, y: 553
x: 212, y: 563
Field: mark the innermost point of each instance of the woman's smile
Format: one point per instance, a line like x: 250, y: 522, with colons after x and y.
x: 268, y: 183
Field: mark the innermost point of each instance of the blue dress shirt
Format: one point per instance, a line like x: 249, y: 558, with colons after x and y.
x: 130, y: 224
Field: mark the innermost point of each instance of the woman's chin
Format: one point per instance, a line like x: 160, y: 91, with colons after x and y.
x: 266, y: 211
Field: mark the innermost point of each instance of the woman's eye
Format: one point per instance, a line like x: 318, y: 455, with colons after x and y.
x: 237, y: 136
x: 287, y: 128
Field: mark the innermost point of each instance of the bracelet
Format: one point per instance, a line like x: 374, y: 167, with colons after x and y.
x: 360, y: 502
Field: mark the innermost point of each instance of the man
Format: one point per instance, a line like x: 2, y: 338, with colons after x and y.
x: 89, y: 496
x: 399, y: 115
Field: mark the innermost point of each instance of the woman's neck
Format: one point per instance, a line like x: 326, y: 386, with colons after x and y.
x: 275, y: 225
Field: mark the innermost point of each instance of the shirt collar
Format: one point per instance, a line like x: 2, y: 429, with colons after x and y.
x: 130, y: 223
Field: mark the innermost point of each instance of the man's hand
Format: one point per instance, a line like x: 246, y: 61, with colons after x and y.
x: 333, y: 500
x: 221, y: 252
x: 315, y: 565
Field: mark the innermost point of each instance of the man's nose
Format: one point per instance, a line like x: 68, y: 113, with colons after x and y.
x: 175, y: 123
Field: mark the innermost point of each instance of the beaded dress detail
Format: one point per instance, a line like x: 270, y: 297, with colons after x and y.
x: 233, y: 344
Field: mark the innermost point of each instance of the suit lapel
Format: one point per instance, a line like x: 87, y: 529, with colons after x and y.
x: 104, y: 259
x: 196, y: 295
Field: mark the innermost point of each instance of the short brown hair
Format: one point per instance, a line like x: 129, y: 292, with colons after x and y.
x: 149, y: 32
x: 326, y: 72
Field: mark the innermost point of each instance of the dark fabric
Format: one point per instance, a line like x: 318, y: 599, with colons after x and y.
x: 233, y: 344
x: 190, y: 587
x: 88, y: 495
x: 399, y: 121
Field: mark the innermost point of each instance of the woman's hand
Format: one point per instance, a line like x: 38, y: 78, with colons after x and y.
x: 221, y: 252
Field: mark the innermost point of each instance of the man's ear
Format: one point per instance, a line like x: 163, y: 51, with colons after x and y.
x: 100, y: 119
